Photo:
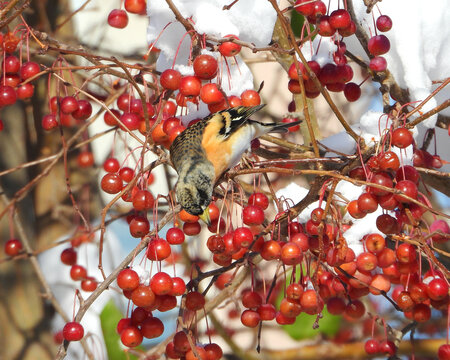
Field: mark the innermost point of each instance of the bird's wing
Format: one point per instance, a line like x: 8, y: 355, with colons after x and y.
x: 233, y: 119
x: 187, y: 146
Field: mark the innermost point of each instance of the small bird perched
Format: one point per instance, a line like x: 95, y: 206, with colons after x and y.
x: 208, y: 148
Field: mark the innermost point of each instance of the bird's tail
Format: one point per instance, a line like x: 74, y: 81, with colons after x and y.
x: 279, y: 127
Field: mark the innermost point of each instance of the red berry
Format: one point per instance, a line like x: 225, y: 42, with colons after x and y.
x: 139, y: 226
x: 444, y: 352
x: 190, y: 85
x: 195, y: 301
x: 387, y: 347
x: 131, y: 336
x: 161, y: 283
x: 291, y: 254
x: 73, y: 331
x: 325, y: 28
x: 123, y: 324
x: 340, y: 19
x: 130, y: 121
x: 251, y: 299
x: 13, y: 247
x: 136, y: 6
x: 250, y: 98
x: 336, y: 305
x: 402, y: 137
x: 143, y: 200
x: 69, y: 256
x: 84, y: 110
x: 406, y: 253
x: 126, y: 174
x: 349, y: 30
x: 253, y: 215
x: 210, y: 94
x: 407, y: 172
x: 205, y: 67
x: 319, y: 9
x: 143, y: 296
x: 366, y: 261
x: 404, y: 301
x: 384, y: 23
x: 179, y: 286
x: 294, y: 292
x: 7, y: 95
x: 250, y: 318
x: 242, y: 237
x: 383, y: 179
x: 152, y: 328
x: 175, y: 236
x: 354, y: 211
x: 111, y: 165
x: 388, y: 161
x: 214, y: 351
x: 437, y: 289
x: 378, y: 45
x: 69, y: 104
x: 29, y: 69
x: 192, y: 228
x: 355, y: 309
x: 25, y: 91
x: 111, y: 183
x: 259, y: 199
x: 181, y: 342
x: 230, y: 48
x: 158, y: 249
x: 372, y: 347
x: 170, y: 79
x: 408, y: 188
x: 89, y: 284
x: 11, y: 64
x: 421, y: 313
x: 78, y: 272
x: 128, y: 279
x: 367, y: 203
x: 352, y: 91
x: 267, y: 312
x: 378, y: 63
x: 306, y: 9
x: 271, y: 250
x: 118, y: 18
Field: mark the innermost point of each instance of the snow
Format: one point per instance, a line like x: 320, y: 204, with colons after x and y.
x: 360, y: 228
x: 249, y: 20
x: 295, y: 193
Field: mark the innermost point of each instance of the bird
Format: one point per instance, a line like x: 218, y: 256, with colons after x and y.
x: 204, y: 151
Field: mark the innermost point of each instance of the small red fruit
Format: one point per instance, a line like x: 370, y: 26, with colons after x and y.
x: 73, y: 331
x: 230, y: 48
x: 118, y: 18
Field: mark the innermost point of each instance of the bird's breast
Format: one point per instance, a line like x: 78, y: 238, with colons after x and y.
x: 226, y: 153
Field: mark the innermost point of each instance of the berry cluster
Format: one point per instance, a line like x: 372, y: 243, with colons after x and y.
x: 320, y: 263
x: 17, y: 74
x: 336, y: 75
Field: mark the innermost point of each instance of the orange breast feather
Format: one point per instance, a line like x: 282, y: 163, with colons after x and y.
x: 217, y: 150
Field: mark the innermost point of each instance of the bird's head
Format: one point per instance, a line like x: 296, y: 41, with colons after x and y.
x: 194, y: 189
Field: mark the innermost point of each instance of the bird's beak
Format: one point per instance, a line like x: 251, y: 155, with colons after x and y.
x: 205, y: 217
